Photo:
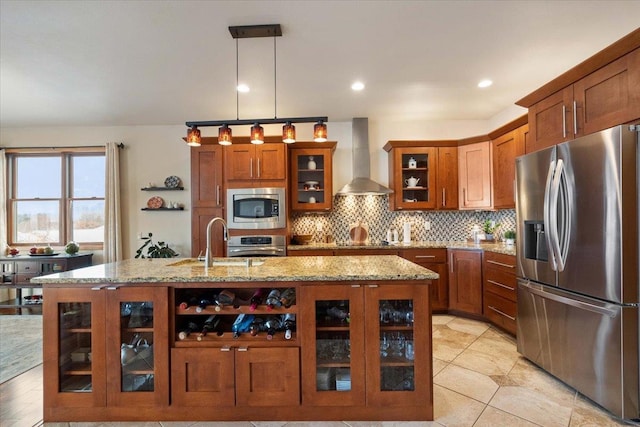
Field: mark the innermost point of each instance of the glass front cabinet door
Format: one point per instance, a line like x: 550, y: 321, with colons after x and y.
x: 368, y: 344
x: 312, y: 176
x: 112, y: 347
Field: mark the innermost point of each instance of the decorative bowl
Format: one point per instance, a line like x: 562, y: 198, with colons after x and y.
x: 302, y: 239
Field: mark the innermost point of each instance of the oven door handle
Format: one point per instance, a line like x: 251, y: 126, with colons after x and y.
x: 270, y: 249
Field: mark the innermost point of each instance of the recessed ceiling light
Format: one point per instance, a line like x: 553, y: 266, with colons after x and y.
x: 485, y: 83
x: 243, y: 88
x: 357, y: 86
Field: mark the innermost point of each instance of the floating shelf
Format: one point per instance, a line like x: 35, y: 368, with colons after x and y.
x: 162, y: 189
x: 163, y: 209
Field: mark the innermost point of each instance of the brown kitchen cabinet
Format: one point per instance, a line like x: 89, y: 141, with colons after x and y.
x: 88, y: 367
x: 587, y: 103
x: 311, y: 183
x: 434, y: 164
x: 505, y: 149
x: 475, y: 175
x: 364, y: 349
x: 207, y: 197
x: 465, y: 281
x: 447, y: 178
x: 435, y: 260
x: 500, y: 291
x: 18, y: 271
x: 230, y: 370
x: 250, y: 165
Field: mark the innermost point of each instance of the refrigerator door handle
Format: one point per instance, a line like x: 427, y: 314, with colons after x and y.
x: 556, y: 228
x: 546, y: 211
x: 569, y: 301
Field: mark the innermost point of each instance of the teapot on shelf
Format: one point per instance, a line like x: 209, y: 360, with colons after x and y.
x: 412, y: 182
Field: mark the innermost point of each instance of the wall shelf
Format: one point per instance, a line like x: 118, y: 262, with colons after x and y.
x: 163, y: 209
x: 162, y: 189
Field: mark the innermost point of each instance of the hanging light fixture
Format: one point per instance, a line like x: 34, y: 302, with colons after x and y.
x: 224, y: 135
x: 320, y: 132
x: 257, y: 134
x: 193, y: 137
x: 288, y: 133
x: 257, y: 131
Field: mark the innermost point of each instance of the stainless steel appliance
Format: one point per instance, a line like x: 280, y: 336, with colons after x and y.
x: 256, y: 208
x: 256, y: 246
x: 578, y: 256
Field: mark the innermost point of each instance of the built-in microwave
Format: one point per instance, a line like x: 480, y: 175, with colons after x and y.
x: 256, y: 208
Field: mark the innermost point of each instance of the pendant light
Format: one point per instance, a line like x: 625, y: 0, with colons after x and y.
x: 320, y: 132
x: 257, y: 131
x: 257, y: 134
x: 224, y: 135
x: 288, y: 133
x: 193, y: 137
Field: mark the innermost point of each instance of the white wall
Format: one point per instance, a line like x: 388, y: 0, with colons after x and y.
x: 153, y: 153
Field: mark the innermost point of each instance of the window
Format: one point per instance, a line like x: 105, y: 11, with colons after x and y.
x: 56, y: 198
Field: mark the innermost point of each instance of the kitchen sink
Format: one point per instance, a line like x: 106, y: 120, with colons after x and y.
x: 219, y: 262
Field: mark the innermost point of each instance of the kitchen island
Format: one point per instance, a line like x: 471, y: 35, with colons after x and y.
x: 167, y: 339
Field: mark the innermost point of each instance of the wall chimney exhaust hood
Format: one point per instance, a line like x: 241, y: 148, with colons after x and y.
x: 362, y: 184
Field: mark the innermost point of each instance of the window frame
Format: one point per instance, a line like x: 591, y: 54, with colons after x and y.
x: 65, y: 202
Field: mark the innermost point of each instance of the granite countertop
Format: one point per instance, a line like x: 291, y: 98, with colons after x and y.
x: 283, y: 269
x: 490, y: 247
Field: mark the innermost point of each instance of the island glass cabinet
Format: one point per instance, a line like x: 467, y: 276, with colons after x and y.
x: 111, y: 347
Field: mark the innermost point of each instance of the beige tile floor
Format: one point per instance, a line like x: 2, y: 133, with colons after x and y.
x: 479, y: 380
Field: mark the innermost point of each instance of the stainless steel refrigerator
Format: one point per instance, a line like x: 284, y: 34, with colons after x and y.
x: 578, y: 294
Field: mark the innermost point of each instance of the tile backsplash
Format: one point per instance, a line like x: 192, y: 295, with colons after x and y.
x: 374, y: 211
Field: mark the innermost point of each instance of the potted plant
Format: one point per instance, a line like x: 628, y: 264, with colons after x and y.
x: 510, y: 237
x: 160, y: 250
x: 489, y: 227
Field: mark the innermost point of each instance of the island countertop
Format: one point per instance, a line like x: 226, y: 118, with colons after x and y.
x: 281, y: 269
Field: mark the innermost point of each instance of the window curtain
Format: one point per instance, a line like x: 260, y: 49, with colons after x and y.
x: 112, y: 206
x: 3, y: 201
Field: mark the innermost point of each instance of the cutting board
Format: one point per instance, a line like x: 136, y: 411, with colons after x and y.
x: 359, y: 233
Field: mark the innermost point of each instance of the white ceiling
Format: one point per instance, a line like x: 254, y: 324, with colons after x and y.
x: 86, y: 63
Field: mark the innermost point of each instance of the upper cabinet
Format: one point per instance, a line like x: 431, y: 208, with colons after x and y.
x: 249, y: 165
x: 422, y: 176
x: 474, y: 176
x: 506, y: 148
x: 311, y: 180
x: 599, y: 93
x: 207, y: 197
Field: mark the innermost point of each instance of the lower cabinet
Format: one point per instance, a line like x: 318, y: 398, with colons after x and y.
x: 434, y: 260
x: 243, y: 376
x: 465, y: 281
x: 367, y: 348
x: 500, y: 291
x: 106, y: 347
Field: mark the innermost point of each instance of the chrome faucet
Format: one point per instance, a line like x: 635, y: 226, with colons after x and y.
x: 208, y: 258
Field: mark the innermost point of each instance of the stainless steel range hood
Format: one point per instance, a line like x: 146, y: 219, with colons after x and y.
x: 362, y: 184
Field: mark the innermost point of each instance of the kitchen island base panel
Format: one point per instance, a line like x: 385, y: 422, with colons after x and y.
x: 219, y: 413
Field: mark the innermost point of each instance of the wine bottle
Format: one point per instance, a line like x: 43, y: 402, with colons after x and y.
x: 273, y: 299
x: 192, y: 301
x: 242, y: 324
x: 256, y: 299
x: 288, y: 297
x: 202, y: 305
x: 256, y: 326
x: 225, y: 297
x: 289, y: 322
x: 191, y: 327
x: 272, y: 324
x: 211, y: 324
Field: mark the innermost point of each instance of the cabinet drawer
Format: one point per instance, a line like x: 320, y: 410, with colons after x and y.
x: 24, y: 278
x: 27, y: 267
x: 425, y: 255
x: 500, y: 311
x: 500, y: 283
x: 503, y: 262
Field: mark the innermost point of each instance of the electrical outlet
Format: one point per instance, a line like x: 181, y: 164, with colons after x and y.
x: 319, y: 226
x: 427, y: 225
